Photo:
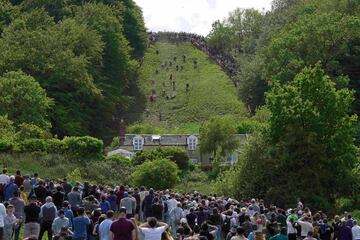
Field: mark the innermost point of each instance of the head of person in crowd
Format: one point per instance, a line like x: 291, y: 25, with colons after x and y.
x: 33, y: 199
x: 61, y: 213
x: 81, y: 211
x: 152, y: 222
x: 122, y: 212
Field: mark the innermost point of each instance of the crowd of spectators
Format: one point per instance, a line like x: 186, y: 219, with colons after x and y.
x: 84, y: 211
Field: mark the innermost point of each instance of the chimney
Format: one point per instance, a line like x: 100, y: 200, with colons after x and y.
x: 122, y: 131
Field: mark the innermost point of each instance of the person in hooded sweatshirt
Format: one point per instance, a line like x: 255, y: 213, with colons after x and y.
x: 48, y: 213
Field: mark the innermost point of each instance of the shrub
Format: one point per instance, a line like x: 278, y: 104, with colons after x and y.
x: 7, y: 130
x: 55, y: 145
x: 33, y: 145
x: 144, y: 129
x: 160, y: 174
x: 175, y: 154
x: 30, y: 131
x: 6, y: 145
x: 121, y: 160
x: 84, y: 147
x: 249, y: 126
x: 74, y: 176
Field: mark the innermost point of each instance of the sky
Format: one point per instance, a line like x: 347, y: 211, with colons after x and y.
x: 194, y: 16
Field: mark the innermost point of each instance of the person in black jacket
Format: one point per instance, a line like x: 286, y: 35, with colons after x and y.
x: 58, y: 197
x: 32, y: 211
x: 147, y: 204
x: 157, y: 209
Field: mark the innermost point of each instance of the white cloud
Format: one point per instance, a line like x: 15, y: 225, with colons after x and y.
x: 191, y: 15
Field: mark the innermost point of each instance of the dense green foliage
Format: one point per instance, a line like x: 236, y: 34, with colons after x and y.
x: 80, y: 52
x: 309, y: 142
x: 279, y: 43
x: 217, y: 137
x: 84, y: 147
x: 175, y: 154
x: 23, y: 100
x: 159, y: 174
x: 55, y: 166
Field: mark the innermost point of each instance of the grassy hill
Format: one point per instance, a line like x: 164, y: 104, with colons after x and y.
x: 210, y: 91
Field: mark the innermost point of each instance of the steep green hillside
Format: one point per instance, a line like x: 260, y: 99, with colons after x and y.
x: 210, y: 91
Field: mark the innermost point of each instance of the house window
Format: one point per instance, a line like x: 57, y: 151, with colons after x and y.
x: 232, y: 159
x: 192, y: 143
x: 138, y: 143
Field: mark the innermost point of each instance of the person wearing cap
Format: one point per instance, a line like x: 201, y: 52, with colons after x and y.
x: 104, y: 204
x: 128, y: 203
x: 32, y: 211
x: 9, y: 222
x: 60, y: 222
x: 123, y: 228
x: 9, y: 189
x: 19, y: 205
x: 80, y: 224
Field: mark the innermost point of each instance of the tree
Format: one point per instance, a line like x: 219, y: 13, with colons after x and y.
x: 7, y: 130
x: 160, y: 174
x: 332, y: 38
x: 310, y: 142
x: 134, y: 27
x: 219, y: 37
x: 23, y: 100
x: 61, y: 57
x: 217, y: 136
x: 114, y: 75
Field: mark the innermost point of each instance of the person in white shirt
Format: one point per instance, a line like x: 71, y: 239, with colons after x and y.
x: 291, y: 230
x: 4, y: 178
x: 355, y: 230
x: 153, y: 230
x: 306, y: 226
x: 2, y: 217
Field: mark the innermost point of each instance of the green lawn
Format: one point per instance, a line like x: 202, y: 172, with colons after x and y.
x: 211, y: 91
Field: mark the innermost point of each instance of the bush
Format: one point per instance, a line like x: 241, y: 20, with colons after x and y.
x: 33, y: 145
x: 144, y: 129
x: 55, y: 145
x: 31, y: 131
x: 249, y: 126
x: 119, y: 159
x: 159, y: 174
x: 84, y: 147
x: 175, y: 154
x: 6, y: 145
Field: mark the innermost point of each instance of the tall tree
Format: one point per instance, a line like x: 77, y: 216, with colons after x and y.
x: 23, y: 100
x: 217, y: 137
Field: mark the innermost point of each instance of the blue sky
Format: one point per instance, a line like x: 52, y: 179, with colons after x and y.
x: 192, y: 15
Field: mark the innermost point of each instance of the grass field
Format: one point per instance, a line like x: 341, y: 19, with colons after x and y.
x: 210, y: 91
